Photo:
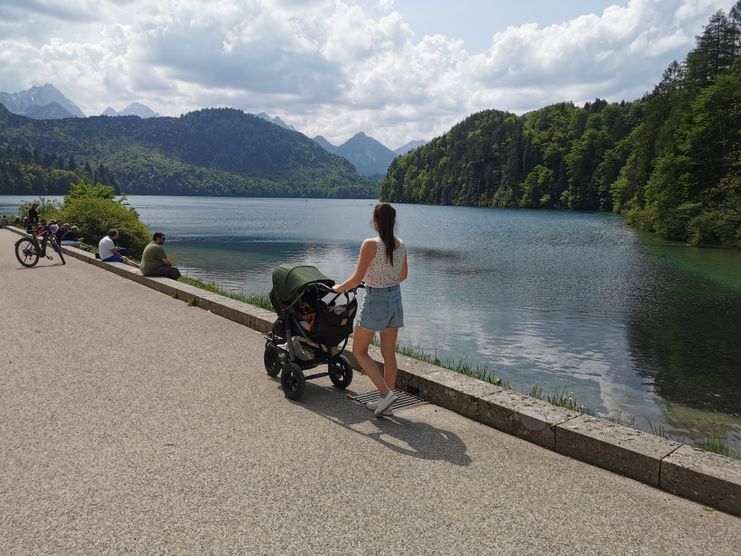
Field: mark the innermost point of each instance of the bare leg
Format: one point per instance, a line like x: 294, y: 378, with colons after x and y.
x: 361, y: 340
x: 388, y: 351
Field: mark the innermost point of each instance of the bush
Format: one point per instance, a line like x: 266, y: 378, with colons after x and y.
x: 717, y: 227
x: 673, y: 222
x: 95, y: 210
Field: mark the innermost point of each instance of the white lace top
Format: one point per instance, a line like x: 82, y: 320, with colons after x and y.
x: 380, y: 273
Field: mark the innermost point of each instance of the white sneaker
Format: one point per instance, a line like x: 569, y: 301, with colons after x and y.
x: 372, y: 406
x: 385, y: 402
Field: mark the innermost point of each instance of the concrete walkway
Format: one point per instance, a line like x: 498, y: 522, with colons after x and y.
x: 132, y: 422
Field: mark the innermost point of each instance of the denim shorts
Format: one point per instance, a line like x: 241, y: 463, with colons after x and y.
x: 382, y: 309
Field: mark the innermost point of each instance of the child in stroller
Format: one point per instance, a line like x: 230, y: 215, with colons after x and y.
x: 309, y: 330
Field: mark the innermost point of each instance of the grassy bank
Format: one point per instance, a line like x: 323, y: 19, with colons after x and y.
x: 257, y: 300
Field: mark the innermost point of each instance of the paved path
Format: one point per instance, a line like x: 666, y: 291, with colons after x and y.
x: 130, y: 422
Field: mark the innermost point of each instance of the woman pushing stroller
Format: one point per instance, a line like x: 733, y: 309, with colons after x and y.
x: 382, y: 264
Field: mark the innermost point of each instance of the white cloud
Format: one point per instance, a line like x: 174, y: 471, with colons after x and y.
x: 333, y: 67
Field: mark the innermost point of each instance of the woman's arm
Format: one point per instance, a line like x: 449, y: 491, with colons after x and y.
x: 404, y: 269
x: 367, y: 252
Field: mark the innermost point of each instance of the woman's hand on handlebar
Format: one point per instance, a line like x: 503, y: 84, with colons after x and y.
x: 336, y: 289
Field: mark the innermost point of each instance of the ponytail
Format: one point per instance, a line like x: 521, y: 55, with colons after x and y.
x: 385, y: 218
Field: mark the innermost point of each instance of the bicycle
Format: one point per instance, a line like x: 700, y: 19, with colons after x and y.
x: 29, y: 250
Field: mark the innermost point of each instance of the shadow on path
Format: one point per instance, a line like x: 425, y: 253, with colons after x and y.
x: 411, y: 438
x: 38, y: 265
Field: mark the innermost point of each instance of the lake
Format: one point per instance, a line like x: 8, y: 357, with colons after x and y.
x: 635, y: 327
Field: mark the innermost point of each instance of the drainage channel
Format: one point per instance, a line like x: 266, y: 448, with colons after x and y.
x: 404, y: 400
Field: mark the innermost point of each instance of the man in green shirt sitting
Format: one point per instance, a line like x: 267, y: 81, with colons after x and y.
x: 155, y: 261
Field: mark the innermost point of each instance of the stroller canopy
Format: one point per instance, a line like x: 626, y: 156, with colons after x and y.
x: 290, y: 279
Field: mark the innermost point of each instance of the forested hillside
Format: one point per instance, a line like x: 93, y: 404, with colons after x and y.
x: 34, y: 172
x: 208, y: 152
x: 671, y: 161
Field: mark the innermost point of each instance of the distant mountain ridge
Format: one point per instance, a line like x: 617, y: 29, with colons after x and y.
x: 51, y: 111
x: 133, y: 109
x: 35, y: 103
x: 412, y: 145
x: 275, y: 120
x: 369, y: 156
x: 207, y: 152
x: 325, y: 144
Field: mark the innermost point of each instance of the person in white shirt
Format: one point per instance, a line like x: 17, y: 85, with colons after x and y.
x: 382, y: 263
x: 108, y: 251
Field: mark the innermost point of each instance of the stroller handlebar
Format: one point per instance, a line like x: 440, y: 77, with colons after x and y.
x: 351, y: 290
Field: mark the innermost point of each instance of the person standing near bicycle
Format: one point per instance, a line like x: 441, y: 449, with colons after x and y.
x: 109, y: 252
x: 382, y: 263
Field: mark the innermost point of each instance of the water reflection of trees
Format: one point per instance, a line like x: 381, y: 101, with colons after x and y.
x: 685, y: 337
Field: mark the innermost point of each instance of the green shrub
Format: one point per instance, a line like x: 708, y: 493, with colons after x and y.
x: 95, y: 210
x: 716, y: 227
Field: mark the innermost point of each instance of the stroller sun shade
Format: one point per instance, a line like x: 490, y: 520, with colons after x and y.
x: 289, y: 280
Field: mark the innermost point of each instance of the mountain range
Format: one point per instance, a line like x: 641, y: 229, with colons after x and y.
x: 49, y: 103
x: 412, y: 145
x: 275, y: 120
x: 369, y: 156
x: 133, y: 109
x: 207, y: 152
x: 45, y: 102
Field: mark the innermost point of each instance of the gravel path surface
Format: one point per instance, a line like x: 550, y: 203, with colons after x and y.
x: 130, y: 422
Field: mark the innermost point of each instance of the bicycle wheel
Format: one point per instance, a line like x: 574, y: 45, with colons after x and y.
x: 58, y: 249
x: 26, y: 252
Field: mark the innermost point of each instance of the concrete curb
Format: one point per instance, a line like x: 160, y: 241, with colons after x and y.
x: 677, y: 468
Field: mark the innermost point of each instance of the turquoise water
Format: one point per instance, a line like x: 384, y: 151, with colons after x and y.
x: 636, y: 327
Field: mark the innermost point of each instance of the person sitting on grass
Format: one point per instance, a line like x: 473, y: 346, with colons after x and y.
x: 110, y: 253
x: 155, y: 261
x: 71, y: 237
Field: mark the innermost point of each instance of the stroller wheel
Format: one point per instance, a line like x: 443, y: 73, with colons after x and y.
x: 293, y: 381
x: 340, y: 372
x: 272, y: 360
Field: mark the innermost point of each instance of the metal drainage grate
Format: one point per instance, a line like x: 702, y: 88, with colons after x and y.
x: 404, y: 400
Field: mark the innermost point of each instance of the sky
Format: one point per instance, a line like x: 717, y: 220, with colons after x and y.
x: 398, y: 70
